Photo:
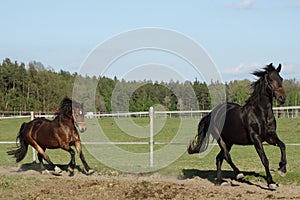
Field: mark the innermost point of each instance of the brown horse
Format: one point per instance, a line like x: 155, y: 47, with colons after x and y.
x: 61, y: 132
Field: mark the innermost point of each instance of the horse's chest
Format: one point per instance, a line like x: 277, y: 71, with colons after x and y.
x: 68, y: 134
x: 263, y: 125
x: 65, y: 129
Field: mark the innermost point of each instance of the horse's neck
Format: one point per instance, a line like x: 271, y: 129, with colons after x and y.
x: 261, y: 107
x: 265, y: 106
x: 266, y: 102
x: 262, y: 103
x: 64, y: 119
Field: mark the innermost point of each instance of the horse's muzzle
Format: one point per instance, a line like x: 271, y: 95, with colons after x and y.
x: 83, y: 129
x: 281, y: 99
x: 280, y: 95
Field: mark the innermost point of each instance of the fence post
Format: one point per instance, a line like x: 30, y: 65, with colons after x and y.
x: 151, y: 115
x: 33, y: 150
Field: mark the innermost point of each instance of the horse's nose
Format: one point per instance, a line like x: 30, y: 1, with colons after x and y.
x: 281, y: 99
x: 83, y: 129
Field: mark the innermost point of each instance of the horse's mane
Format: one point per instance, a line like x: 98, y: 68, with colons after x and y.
x: 260, y: 84
x: 65, y: 107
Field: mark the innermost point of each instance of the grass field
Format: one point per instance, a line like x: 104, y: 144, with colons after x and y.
x: 245, y: 157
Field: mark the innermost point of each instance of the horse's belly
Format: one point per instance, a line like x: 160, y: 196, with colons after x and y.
x: 49, y: 144
x: 236, y: 136
x: 47, y: 140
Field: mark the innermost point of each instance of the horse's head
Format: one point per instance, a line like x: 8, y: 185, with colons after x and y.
x: 274, y: 81
x: 271, y: 81
x: 73, y: 112
x: 78, y: 116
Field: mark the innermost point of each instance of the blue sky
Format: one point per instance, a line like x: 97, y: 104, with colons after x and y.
x: 240, y: 36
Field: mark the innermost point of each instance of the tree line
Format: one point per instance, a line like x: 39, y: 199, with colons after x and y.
x: 36, y: 88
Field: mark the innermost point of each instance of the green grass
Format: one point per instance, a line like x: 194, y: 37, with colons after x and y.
x: 245, y: 157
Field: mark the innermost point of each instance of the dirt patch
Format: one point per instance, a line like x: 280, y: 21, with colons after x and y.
x: 16, y: 183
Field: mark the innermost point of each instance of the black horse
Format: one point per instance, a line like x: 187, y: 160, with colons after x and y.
x: 251, y: 124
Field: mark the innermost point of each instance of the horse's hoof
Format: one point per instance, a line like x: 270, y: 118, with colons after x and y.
x: 281, y: 173
x: 225, y: 183
x: 56, y: 174
x: 273, y: 186
x: 45, y: 171
x: 71, y: 173
x: 221, y: 183
x: 90, y: 172
x: 57, y: 170
x: 240, y: 176
x: 70, y: 169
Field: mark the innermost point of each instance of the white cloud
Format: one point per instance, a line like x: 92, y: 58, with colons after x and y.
x: 242, y: 69
x: 240, y: 72
x: 244, y: 4
x: 290, y: 70
x: 297, y: 4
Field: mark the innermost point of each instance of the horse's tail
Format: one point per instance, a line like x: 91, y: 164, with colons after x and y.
x: 201, y: 140
x: 20, y: 153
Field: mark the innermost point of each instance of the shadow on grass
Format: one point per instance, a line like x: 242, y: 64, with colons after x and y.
x: 210, y: 175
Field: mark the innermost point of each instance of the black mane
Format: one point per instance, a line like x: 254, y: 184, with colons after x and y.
x: 65, y: 107
x: 260, y: 84
x: 269, y: 68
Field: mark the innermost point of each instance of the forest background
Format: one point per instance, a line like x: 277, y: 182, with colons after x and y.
x: 36, y: 88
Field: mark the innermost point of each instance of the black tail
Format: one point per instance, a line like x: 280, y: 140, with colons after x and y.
x: 20, y: 153
x: 201, y: 140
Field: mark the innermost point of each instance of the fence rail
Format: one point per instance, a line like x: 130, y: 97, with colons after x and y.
x: 279, y: 112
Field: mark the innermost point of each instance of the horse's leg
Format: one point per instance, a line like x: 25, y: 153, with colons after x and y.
x: 260, y: 150
x: 282, y: 164
x: 40, y: 158
x: 219, y: 161
x: 41, y: 152
x: 72, y: 163
x: 71, y: 166
x: 82, y: 158
x: 226, y: 149
x: 237, y: 173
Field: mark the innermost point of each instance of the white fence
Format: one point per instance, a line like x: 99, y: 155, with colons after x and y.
x: 280, y: 112
x: 288, y: 112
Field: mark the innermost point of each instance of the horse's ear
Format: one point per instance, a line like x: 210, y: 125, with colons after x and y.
x: 270, y: 65
x: 278, y: 68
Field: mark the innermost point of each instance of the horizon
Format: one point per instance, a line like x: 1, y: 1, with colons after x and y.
x: 250, y: 77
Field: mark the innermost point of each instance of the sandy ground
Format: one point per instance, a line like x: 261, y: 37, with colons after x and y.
x: 18, y: 183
